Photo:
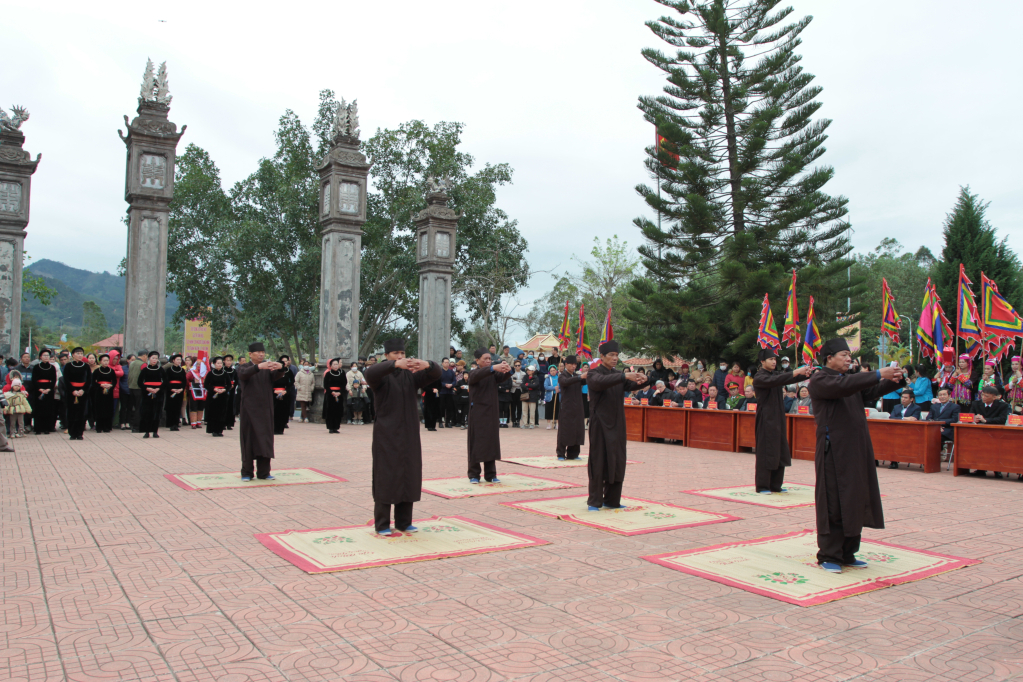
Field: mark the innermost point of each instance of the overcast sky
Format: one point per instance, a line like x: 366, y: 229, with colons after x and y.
x: 923, y: 94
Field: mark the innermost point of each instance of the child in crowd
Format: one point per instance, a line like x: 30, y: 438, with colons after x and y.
x: 356, y: 401
x: 17, y: 408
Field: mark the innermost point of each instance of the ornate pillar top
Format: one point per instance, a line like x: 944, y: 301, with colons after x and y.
x: 154, y: 109
x: 16, y: 159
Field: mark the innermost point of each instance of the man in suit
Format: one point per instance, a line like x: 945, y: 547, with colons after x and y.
x: 907, y: 410
x: 945, y: 411
x: 989, y: 410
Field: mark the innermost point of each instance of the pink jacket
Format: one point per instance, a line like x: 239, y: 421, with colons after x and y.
x: 115, y: 364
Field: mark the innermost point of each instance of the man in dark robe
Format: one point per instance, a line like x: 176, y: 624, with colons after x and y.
x: 607, y: 388
x: 397, y: 452
x: 77, y: 380
x: 571, y: 421
x: 773, y: 453
x: 847, y: 494
x: 256, y: 432
x: 484, y: 416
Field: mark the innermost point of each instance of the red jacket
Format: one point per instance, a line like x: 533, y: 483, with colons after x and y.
x: 115, y: 364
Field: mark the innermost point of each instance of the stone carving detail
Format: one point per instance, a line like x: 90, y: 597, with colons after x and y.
x: 326, y: 199
x: 348, y: 198
x: 345, y: 265
x: 13, y: 122
x: 152, y: 171
x: 443, y: 245
x: 149, y: 241
x: 10, y: 197
x: 439, y: 186
x: 9, y: 153
x: 346, y: 121
x: 155, y: 88
x: 7, y: 302
x: 438, y: 211
x: 424, y: 245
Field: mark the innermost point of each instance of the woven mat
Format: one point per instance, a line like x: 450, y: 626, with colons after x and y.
x: 552, y: 462
x: 798, y: 495
x: 641, y: 516
x: 452, y: 488
x: 352, y: 547
x: 234, y: 479
x: 784, y: 567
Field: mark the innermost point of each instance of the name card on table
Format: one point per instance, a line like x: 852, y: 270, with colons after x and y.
x: 866, y: 412
x: 687, y: 403
x: 712, y: 406
x: 751, y: 407
x: 628, y: 401
x: 1015, y: 420
x: 803, y: 409
x: 644, y: 401
x: 966, y: 419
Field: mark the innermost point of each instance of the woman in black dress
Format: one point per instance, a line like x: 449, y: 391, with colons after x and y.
x: 176, y: 381
x: 282, y: 394
x: 44, y: 390
x: 335, y: 392
x: 218, y: 397
x: 102, y: 395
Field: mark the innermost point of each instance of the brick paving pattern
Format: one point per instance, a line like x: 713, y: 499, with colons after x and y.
x: 111, y: 572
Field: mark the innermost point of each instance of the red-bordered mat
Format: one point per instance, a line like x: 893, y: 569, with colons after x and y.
x: 221, y: 481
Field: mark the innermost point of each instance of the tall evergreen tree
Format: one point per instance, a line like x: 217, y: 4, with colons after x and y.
x: 739, y: 196
x: 971, y: 240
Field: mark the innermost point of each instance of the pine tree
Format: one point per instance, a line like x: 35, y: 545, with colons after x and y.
x: 740, y: 200
x: 971, y: 240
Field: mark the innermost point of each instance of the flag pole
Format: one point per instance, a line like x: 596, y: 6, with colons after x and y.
x: 959, y: 315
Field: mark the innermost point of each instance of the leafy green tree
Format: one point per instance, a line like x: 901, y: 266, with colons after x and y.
x: 94, y: 323
x: 971, y: 240
x: 739, y: 193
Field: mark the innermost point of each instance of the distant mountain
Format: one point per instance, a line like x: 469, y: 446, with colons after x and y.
x: 74, y: 287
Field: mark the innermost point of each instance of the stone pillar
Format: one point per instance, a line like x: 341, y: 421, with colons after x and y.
x: 148, y: 188
x: 16, y: 169
x: 436, y: 228
x: 343, y: 177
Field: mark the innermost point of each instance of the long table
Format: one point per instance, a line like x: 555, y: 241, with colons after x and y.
x: 988, y: 447
x: 909, y: 442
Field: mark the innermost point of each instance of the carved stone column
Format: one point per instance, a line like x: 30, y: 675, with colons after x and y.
x: 148, y: 188
x: 343, y: 177
x: 436, y: 227
x: 16, y: 169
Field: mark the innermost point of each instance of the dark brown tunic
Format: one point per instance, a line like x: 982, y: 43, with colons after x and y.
x: 397, y: 452
x: 607, y: 388
x: 484, y: 415
x: 838, y: 402
x: 571, y: 420
x: 772, y: 443
x: 256, y: 433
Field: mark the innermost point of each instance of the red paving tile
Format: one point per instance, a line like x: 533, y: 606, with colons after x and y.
x: 109, y: 572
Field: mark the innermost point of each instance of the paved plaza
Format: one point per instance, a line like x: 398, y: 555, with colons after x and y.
x: 112, y: 572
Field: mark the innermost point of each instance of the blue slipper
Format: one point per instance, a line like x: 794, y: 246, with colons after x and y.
x: 474, y: 480
x: 765, y: 492
x: 410, y: 529
x: 268, y: 478
x: 385, y: 532
x: 592, y: 508
x: 494, y: 480
x: 857, y: 564
x: 561, y: 459
x: 784, y: 490
x: 831, y: 567
x: 246, y: 478
x: 621, y: 506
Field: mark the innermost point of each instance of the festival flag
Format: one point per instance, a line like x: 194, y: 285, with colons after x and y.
x: 968, y: 327
x: 768, y: 333
x: 890, y: 322
x: 812, y: 342
x: 942, y: 328
x: 607, y: 333
x: 998, y: 316
x: 582, y: 349
x: 925, y: 328
x: 565, y: 335
x: 790, y: 334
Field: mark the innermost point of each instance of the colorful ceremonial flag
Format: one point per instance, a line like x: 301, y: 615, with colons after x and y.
x: 582, y: 349
x: 659, y: 141
x: 968, y: 326
x: 565, y: 335
x: 942, y: 328
x: 925, y: 328
x: 607, y: 333
x: 790, y: 334
x: 768, y: 333
x: 890, y: 322
x: 998, y: 316
x: 812, y: 342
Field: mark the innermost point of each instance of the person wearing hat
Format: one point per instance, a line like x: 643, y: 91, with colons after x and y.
x: 44, y: 386
x: 256, y: 432
x: 773, y: 453
x: 232, y: 391
x: 218, y: 397
x: 335, y: 388
x: 104, y: 381
x: 607, y: 388
x: 989, y: 409
x: 484, y: 416
x: 572, y: 431
x: 397, y: 450
x: 176, y: 381
x: 77, y: 381
x: 154, y: 388
x: 847, y: 494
